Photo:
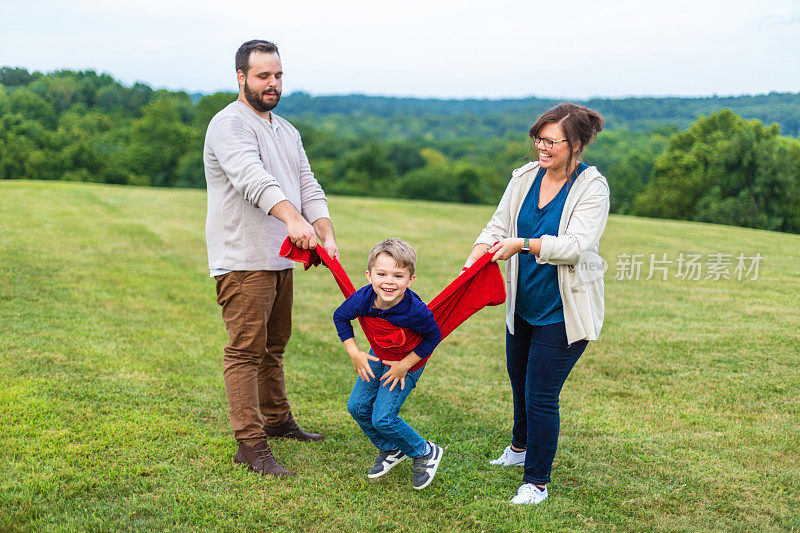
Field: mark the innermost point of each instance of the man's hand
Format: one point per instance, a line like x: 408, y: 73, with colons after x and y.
x: 329, y: 246
x: 301, y: 233
x: 324, y: 229
x: 360, y: 360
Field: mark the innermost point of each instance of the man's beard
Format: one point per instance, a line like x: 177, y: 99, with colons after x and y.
x: 254, y: 98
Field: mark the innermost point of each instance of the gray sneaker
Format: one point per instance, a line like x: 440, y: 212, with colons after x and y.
x: 424, y: 467
x: 385, y: 462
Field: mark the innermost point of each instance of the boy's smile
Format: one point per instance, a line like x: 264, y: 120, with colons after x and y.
x: 389, y: 281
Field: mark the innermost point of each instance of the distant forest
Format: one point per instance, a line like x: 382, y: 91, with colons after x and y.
x: 730, y: 160
x: 447, y: 119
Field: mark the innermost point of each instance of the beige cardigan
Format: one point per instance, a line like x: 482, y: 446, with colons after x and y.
x: 582, y: 223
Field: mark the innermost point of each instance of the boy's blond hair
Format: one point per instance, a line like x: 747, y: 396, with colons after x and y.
x: 403, y: 254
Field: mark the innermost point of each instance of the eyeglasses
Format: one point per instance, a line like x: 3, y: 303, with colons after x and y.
x: 548, y: 143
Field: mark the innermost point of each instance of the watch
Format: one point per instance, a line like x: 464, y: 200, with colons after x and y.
x: 526, y: 246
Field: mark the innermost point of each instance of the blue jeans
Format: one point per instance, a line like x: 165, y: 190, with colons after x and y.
x: 376, y: 409
x: 539, y: 361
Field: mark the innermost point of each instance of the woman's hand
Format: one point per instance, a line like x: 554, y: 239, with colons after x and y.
x: 477, y: 251
x: 506, y: 248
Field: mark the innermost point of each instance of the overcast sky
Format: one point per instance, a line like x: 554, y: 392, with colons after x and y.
x: 439, y: 48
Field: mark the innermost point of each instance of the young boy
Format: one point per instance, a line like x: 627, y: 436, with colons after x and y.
x: 375, y: 406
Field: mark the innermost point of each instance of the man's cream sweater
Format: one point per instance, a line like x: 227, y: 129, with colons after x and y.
x: 251, y: 164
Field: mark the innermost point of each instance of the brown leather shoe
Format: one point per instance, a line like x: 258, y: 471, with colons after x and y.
x: 259, y: 459
x: 290, y: 430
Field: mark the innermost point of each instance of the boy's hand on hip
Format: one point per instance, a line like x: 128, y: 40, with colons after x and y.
x: 361, y: 364
x: 396, y: 373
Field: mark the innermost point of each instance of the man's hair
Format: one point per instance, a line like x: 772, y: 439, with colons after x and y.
x: 244, y: 51
x: 403, y: 254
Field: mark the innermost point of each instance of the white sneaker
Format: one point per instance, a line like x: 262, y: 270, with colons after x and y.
x: 510, y: 458
x: 529, y: 494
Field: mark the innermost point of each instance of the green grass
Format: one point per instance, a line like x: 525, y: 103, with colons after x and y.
x: 684, y: 415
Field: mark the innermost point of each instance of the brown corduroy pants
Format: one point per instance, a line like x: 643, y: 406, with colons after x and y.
x: 257, y: 310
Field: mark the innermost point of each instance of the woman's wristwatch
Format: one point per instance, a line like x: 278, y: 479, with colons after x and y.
x: 526, y: 246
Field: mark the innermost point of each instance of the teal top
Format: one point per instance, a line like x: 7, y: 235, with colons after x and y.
x: 538, y: 298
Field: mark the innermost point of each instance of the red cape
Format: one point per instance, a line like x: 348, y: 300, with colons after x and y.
x: 478, y: 286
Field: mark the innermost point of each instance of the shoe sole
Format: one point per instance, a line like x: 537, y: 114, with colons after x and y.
x: 291, y: 437
x: 379, y: 474
x: 505, y: 465
x: 435, y: 468
x: 296, y: 438
x: 237, y: 460
x: 512, y: 502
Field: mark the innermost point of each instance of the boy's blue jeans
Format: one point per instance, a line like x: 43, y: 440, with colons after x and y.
x: 539, y: 361
x: 376, y: 409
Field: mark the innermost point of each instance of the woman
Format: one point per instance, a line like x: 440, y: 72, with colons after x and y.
x: 553, y: 210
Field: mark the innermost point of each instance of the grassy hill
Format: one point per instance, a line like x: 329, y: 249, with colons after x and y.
x: 684, y: 415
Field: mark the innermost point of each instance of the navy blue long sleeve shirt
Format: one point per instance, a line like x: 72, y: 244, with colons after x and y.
x: 410, y: 312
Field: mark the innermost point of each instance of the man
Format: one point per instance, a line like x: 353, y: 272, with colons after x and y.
x: 260, y: 189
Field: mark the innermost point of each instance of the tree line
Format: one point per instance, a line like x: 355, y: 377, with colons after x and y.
x: 662, y: 156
